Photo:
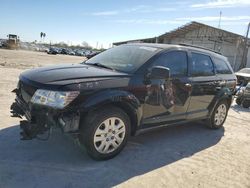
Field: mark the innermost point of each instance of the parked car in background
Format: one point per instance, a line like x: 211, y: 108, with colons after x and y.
x: 42, y: 48
x: 24, y: 46
x: 53, y: 51
x: 3, y: 44
x: 243, y: 96
x: 71, y: 52
x: 64, y: 51
x: 92, y: 54
x: 79, y: 52
x: 243, y: 76
x: 123, y: 90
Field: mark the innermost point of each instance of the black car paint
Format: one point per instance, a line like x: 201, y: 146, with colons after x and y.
x: 194, y: 97
x: 53, y: 51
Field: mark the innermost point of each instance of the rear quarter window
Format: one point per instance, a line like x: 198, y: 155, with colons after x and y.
x: 221, y: 66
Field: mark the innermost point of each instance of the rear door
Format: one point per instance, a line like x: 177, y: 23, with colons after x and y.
x: 205, y: 85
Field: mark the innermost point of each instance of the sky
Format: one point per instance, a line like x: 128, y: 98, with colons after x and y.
x: 102, y: 22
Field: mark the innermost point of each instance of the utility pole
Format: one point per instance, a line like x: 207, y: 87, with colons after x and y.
x: 219, y: 19
x: 245, y: 50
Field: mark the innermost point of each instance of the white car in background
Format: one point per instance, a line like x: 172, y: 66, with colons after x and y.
x: 243, y: 76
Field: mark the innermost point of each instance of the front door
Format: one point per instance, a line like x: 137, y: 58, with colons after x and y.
x: 168, y: 100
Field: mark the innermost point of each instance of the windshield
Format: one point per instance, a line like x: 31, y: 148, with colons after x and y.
x: 126, y: 58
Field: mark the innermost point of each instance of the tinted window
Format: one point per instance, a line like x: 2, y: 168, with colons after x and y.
x: 202, y: 65
x: 176, y: 61
x: 221, y: 66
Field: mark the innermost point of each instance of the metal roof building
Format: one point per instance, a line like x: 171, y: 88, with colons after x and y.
x: 227, y: 43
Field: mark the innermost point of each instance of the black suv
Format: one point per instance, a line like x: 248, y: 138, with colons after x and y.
x: 125, y: 89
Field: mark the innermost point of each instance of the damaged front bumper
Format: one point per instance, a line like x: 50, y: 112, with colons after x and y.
x: 40, y: 119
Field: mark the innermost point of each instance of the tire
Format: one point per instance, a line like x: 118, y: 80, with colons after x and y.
x: 219, y: 115
x: 104, y: 132
x: 238, y: 100
x: 246, y: 103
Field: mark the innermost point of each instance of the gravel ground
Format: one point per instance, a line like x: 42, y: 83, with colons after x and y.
x: 187, y: 155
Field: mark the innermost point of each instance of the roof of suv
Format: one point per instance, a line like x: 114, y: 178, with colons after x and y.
x: 179, y: 46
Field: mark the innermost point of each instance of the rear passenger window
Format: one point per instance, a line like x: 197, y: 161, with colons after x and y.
x: 201, y: 65
x: 221, y: 67
x: 176, y: 61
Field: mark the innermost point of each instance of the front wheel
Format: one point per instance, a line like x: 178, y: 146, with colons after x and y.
x: 219, y: 115
x: 105, y: 132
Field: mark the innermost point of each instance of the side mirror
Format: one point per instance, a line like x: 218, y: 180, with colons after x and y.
x: 160, y: 72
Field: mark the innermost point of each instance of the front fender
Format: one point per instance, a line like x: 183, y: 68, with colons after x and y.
x: 123, y: 99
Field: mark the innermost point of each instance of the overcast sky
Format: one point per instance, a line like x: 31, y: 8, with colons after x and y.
x: 108, y: 21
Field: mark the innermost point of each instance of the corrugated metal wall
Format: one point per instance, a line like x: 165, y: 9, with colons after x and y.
x: 229, y: 45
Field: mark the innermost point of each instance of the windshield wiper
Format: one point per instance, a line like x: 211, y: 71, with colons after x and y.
x: 100, y: 65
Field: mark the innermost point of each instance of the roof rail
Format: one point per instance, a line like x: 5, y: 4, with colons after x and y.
x: 184, y: 44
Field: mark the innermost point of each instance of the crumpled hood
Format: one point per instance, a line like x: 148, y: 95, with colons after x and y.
x: 69, y: 74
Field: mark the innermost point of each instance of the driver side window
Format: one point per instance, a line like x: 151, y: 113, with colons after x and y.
x: 176, y: 61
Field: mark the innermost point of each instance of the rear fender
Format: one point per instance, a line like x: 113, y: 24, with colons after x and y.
x: 224, y: 94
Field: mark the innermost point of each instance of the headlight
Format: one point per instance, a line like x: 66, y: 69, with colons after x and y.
x: 56, y: 99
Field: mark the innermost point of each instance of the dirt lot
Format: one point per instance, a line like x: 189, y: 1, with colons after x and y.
x: 182, y: 156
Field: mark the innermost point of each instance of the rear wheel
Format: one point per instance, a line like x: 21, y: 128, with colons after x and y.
x: 246, y: 103
x: 105, y: 132
x: 219, y: 115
